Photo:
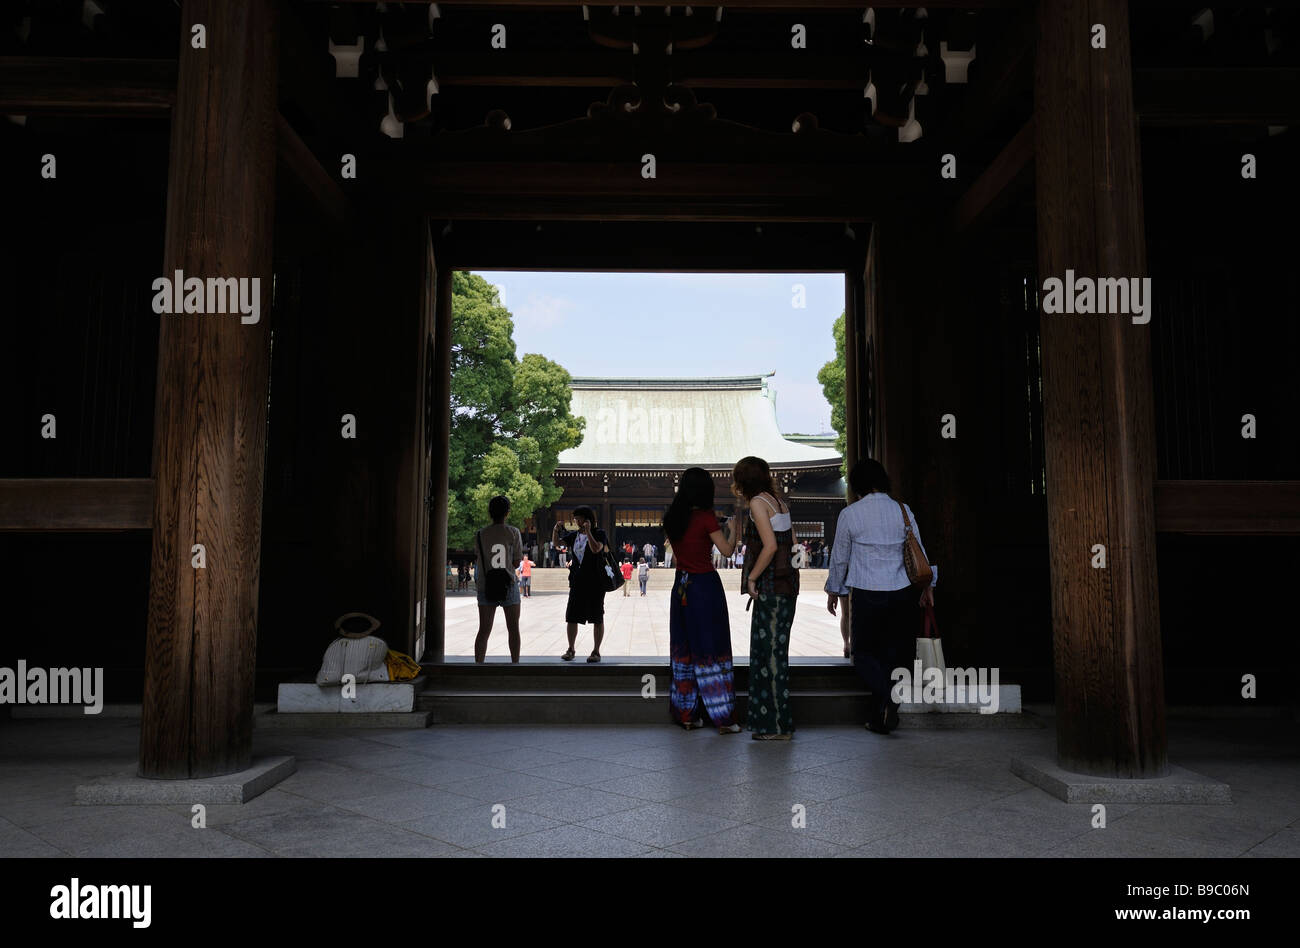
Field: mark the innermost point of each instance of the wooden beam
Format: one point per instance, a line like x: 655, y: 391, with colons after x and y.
x: 655, y: 247
x: 56, y: 85
x: 494, y: 190
x: 987, y: 192
x: 320, y: 186
x: 1098, y: 413
x: 1210, y: 96
x: 1003, y: 74
x: 211, y: 404
x: 1242, y: 508
x: 75, y: 504
x: 602, y: 68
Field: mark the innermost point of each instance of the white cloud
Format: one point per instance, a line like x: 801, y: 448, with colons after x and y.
x: 801, y: 407
x: 543, y: 311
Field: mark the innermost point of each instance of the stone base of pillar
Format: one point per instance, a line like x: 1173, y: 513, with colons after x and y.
x: 130, y: 790
x: 1179, y: 786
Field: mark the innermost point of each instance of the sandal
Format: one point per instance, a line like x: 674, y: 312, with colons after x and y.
x: 593, y: 657
x: 567, y: 656
x: 772, y: 737
x: 729, y: 729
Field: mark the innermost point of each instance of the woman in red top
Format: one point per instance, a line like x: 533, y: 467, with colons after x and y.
x: 699, y: 630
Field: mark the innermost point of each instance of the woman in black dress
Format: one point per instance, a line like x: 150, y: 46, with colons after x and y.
x: 586, y: 579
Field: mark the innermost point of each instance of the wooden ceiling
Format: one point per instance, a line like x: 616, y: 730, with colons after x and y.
x: 745, y: 125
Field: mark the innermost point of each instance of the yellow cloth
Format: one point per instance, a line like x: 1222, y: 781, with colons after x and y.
x: 402, y: 667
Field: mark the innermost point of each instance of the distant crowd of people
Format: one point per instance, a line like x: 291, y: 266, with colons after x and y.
x: 867, y: 588
x: 807, y: 554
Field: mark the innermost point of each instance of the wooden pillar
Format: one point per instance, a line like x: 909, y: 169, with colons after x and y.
x: 430, y: 585
x: 1098, y: 415
x: 210, y: 412
x: 413, y: 326
x: 854, y: 448
x: 435, y: 643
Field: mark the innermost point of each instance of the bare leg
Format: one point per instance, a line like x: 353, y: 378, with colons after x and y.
x: 573, y: 634
x: 598, y: 633
x: 486, y: 615
x: 512, y: 631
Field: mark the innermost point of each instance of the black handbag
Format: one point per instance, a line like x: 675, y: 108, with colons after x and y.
x: 610, y: 572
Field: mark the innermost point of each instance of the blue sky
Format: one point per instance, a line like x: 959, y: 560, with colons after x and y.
x: 684, y: 324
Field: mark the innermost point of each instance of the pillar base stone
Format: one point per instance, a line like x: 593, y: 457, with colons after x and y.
x: 128, y: 789
x: 1179, y: 786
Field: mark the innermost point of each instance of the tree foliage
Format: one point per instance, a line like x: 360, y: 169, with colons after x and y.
x: 510, y: 417
x: 832, y: 377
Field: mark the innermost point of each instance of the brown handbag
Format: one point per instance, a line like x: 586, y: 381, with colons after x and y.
x: 914, y: 561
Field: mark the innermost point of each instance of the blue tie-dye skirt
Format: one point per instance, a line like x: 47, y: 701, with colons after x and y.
x: 699, y: 632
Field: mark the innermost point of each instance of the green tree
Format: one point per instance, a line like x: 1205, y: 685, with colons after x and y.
x: 831, y: 377
x: 510, y: 417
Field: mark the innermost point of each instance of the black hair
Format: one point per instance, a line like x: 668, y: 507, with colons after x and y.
x: 868, y: 475
x: 586, y: 513
x: 694, y: 492
x: 498, y: 508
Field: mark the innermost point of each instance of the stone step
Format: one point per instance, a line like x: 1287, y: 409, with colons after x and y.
x: 419, y: 718
x: 310, y: 698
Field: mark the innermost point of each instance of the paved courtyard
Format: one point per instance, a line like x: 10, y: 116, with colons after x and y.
x: 633, y: 625
x: 646, y: 791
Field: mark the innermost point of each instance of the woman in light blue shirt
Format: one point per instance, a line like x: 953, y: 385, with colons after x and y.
x: 867, y: 565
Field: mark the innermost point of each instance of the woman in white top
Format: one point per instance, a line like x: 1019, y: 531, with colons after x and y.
x: 867, y: 565
x: 772, y: 582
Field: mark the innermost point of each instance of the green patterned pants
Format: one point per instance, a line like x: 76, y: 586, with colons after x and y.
x: 769, y: 665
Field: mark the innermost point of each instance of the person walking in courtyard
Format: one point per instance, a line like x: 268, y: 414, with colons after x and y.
x: 867, y: 565
x: 586, y: 580
x: 643, y: 575
x: 773, y: 585
x: 626, y: 568
x: 526, y: 577
x: 499, y: 549
x: 699, y: 630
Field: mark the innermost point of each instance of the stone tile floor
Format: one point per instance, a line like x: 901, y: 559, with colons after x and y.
x: 647, y: 791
